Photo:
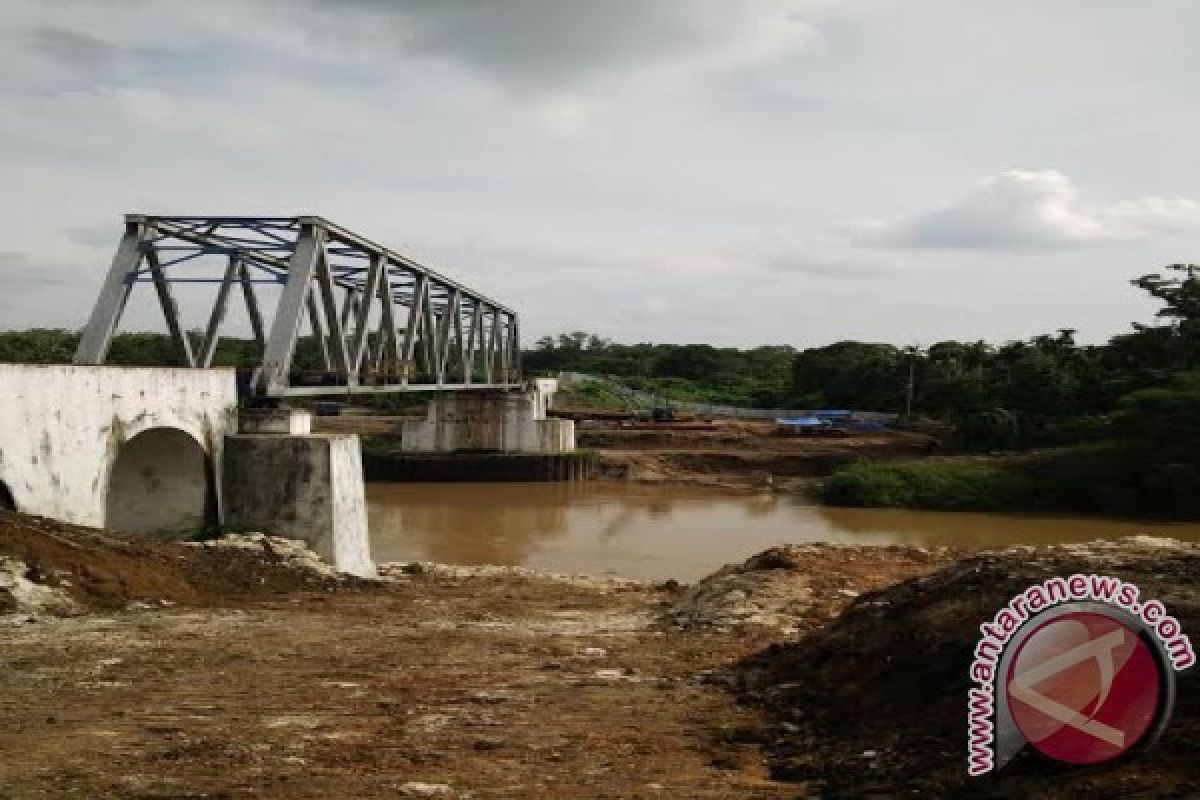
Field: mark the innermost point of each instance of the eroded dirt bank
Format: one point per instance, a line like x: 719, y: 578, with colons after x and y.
x: 873, y: 703
x: 807, y: 671
x: 738, y: 454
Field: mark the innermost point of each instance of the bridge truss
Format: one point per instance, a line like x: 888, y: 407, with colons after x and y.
x: 382, y: 322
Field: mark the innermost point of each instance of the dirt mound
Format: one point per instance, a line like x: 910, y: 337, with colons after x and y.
x: 793, y: 588
x: 737, y: 457
x: 102, y: 569
x: 874, y: 704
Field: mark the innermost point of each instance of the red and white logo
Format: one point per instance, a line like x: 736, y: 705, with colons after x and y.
x: 1079, y: 668
x: 1084, y: 687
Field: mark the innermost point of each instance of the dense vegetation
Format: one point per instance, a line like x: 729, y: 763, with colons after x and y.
x: 1131, y: 408
x: 1045, y: 391
x: 757, y: 377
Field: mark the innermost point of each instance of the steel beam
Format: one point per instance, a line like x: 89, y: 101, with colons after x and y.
x: 281, y: 345
x: 328, y: 274
x: 98, y: 333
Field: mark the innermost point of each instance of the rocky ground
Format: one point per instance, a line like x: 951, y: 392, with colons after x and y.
x: 239, y: 669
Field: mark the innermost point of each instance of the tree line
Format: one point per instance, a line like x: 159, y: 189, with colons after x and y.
x: 1042, y: 391
x: 1045, y: 390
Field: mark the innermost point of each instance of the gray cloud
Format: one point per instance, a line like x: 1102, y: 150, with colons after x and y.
x: 556, y: 42
x: 19, y: 271
x: 816, y: 264
x: 71, y: 47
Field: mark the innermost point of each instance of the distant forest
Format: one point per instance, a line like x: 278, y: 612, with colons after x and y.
x: 1048, y: 376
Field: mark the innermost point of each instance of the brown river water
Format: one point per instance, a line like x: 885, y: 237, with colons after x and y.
x: 681, y: 532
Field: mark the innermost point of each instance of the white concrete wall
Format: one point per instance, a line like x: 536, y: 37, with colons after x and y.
x: 513, y: 422
x: 61, y: 427
x: 348, y: 525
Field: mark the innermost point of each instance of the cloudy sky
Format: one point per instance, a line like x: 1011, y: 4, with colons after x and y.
x: 728, y: 171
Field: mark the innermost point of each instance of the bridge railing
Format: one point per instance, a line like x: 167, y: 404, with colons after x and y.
x: 382, y: 321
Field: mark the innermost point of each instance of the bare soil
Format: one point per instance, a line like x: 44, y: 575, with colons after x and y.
x: 873, y: 704
x: 106, y: 570
x: 267, y: 680
x: 739, y: 454
x: 807, y: 671
x: 364, y: 424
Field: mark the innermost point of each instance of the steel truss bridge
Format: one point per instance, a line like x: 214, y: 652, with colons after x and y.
x: 383, y: 322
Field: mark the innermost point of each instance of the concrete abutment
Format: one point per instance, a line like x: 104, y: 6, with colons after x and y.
x: 302, y: 486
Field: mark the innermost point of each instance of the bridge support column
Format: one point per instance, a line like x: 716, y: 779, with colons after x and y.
x: 511, y: 422
x: 307, y: 487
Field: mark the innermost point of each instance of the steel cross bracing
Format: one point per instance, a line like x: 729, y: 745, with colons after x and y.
x: 383, y: 322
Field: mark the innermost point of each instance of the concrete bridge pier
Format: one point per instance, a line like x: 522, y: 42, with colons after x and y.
x: 501, y: 421
x: 281, y: 478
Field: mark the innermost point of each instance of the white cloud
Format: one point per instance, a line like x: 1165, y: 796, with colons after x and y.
x: 1152, y: 215
x: 1029, y: 209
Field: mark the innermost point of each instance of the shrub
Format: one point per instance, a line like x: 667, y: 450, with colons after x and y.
x: 943, y: 484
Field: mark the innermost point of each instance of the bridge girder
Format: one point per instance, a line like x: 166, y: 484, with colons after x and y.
x: 383, y: 322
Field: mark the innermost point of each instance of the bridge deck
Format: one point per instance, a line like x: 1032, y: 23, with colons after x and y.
x: 382, y: 321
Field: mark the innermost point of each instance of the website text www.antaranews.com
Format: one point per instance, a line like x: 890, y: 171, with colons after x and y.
x: 1037, y: 598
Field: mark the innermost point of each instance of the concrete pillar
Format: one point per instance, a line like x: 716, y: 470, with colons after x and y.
x: 302, y: 487
x: 510, y: 422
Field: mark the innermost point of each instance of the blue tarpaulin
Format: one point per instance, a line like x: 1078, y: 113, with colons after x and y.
x: 802, y: 422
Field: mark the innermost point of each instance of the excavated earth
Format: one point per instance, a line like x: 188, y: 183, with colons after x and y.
x: 738, y: 454
x: 131, y: 668
x: 873, y: 704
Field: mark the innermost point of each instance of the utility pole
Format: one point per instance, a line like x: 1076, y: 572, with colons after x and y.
x: 912, y: 379
x: 910, y: 389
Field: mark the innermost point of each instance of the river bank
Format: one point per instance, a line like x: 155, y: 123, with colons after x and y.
x: 135, y: 669
x: 1117, y: 478
x: 736, y: 454
x: 739, y: 454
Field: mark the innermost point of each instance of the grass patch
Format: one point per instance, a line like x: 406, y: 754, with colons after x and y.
x: 943, y: 484
x: 1132, y: 478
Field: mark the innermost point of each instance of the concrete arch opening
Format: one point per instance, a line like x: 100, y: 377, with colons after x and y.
x: 7, y: 503
x: 160, y: 484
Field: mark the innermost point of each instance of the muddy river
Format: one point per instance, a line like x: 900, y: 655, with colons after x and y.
x: 672, y: 531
